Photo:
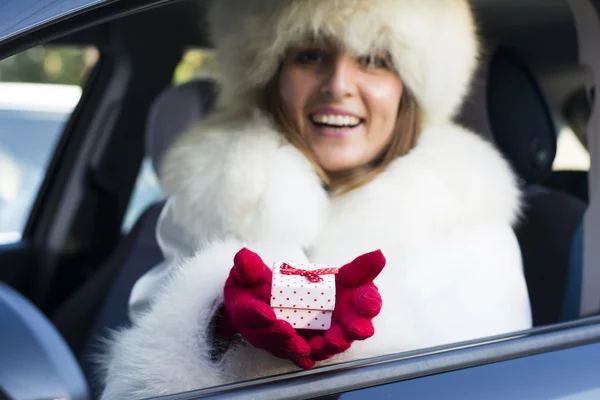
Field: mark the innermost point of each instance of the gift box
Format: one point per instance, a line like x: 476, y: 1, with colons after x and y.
x: 304, y: 294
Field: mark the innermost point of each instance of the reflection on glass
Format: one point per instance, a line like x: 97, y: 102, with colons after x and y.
x: 39, y: 89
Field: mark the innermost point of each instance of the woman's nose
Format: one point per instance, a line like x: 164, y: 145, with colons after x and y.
x: 339, y: 79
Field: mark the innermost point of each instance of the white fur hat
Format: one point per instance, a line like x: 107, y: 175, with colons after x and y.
x: 433, y: 43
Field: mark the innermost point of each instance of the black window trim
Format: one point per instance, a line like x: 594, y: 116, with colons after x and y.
x: 379, y: 371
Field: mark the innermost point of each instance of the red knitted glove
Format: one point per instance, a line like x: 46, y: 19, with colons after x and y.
x: 247, y: 304
x: 357, y: 303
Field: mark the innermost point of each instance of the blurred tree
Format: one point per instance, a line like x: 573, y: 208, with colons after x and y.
x: 70, y: 65
x: 196, y: 64
x: 45, y: 64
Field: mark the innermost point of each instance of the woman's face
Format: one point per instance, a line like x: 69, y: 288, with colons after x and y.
x: 344, y: 106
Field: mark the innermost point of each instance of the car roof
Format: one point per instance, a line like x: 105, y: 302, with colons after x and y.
x: 24, y: 15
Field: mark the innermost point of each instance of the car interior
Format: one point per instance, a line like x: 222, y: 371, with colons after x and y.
x: 76, y: 265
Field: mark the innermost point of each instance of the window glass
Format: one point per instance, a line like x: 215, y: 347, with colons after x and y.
x: 146, y: 192
x: 571, y: 154
x: 39, y: 89
x: 196, y: 63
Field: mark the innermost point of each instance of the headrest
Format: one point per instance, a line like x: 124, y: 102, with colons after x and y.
x: 508, y: 107
x: 173, y: 111
x: 520, y: 117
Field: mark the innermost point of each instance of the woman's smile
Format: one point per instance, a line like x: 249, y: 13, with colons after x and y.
x: 336, y: 123
x: 344, y: 106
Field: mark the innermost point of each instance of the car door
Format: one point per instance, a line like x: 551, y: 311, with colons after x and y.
x: 558, y: 361
x: 67, y: 104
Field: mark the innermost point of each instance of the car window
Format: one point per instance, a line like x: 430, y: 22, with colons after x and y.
x: 146, y: 192
x: 196, y: 63
x: 571, y: 154
x: 39, y: 89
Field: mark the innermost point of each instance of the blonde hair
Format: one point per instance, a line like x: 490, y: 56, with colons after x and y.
x: 405, y: 137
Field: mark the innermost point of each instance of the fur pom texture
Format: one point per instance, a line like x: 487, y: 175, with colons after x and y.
x: 433, y: 43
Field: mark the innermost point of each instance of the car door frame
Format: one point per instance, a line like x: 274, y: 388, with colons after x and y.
x: 79, y: 180
x: 494, y: 368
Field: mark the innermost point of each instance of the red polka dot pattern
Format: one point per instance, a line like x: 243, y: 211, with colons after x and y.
x: 300, y: 319
x: 292, y: 299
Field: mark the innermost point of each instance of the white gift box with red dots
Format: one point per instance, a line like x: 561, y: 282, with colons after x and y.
x: 302, y: 303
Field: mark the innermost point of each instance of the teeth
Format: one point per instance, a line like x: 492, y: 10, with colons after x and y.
x: 335, y: 120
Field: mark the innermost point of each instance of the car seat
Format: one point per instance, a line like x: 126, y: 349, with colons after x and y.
x: 509, y: 109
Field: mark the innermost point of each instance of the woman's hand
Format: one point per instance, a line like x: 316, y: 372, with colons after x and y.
x: 247, y: 304
x: 357, y: 303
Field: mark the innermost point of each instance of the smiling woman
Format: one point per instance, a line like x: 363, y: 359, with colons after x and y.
x: 332, y: 138
x: 348, y: 113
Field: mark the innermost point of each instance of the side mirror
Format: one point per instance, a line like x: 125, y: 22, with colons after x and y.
x: 35, y: 361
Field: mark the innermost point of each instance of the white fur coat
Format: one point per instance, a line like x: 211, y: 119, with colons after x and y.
x: 442, y: 215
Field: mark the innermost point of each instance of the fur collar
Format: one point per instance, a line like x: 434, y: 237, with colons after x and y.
x: 234, y: 174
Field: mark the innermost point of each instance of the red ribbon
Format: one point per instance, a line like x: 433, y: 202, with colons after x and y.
x: 312, y: 276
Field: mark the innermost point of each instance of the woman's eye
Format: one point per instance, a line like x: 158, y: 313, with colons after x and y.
x: 374, y: 61
x: 312, y: 56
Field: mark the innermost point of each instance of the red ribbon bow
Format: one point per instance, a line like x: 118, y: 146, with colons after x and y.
x: 312, y: 276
